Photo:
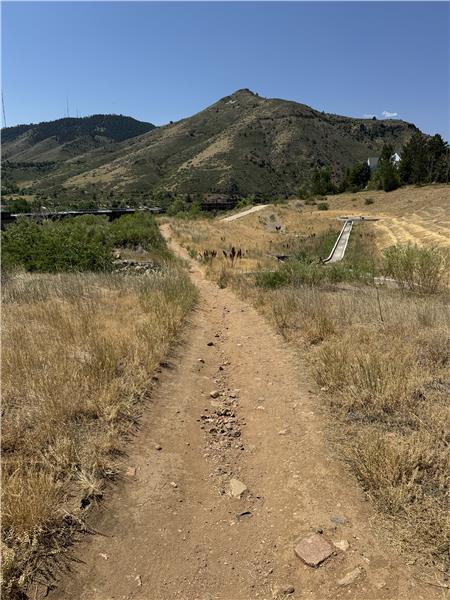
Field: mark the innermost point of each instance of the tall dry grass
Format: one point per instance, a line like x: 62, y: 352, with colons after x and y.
x: 78, y: 353
x: 382, y: 359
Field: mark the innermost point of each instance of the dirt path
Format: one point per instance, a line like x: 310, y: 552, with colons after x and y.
x: 249, y: 211
x: 171, y: 531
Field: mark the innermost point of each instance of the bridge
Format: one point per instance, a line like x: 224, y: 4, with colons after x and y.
x: 111, y: 213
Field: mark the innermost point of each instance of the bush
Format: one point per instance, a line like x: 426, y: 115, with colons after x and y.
x: 79, y: 244
x: 17, y: 205
x: 82, y: 243
x: 271, y: 280
x: 418, y: 269
x: 323, y: 206
x: 178, y: 206
x: 368, y: 201
x: 139, y: 229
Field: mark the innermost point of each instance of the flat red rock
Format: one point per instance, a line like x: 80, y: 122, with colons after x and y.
x: 313, y: 550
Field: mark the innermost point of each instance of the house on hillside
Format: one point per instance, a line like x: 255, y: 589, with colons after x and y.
x: 373, y: 161
x: 396, y: 159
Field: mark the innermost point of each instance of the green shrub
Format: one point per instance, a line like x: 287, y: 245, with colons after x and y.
x: 368, y: 201
x: 271, y: 280
x: 323, y: 206
x: 178, y: 207
x: 17, y: 205
x: 243, y: 202
x: 79, y: 244
x: 418, y: 269
x: 138, y: 229
x: 82, y: 243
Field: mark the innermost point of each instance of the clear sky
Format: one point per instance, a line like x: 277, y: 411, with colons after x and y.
x: 164, y: 61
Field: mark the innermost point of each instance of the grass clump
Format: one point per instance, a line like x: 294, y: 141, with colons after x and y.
x: 271, y: 280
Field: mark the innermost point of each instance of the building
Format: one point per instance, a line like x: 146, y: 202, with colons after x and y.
x: 373, y: 161
x: 395, y: 159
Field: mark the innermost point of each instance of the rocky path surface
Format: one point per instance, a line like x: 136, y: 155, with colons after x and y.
x: 228, y: 471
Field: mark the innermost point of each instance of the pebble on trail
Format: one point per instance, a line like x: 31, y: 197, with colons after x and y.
x: 237, y: 488
x: 350, y: 577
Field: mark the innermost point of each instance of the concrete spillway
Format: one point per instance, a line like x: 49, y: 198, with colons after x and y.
x: 340, y: 246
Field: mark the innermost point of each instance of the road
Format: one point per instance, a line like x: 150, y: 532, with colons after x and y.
x: 235, y: 401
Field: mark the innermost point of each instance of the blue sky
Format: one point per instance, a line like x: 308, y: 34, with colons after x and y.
x: 164, y: 61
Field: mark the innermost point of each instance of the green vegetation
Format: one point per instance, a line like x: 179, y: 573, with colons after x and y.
x: 386, y: 175
x: 356, y: 178
x: 17, y: 205
x: 82, y: 243
x: 306, y: 268
x: 136, y: 230
x: 321, y: 183
x: 425, y: 160
x: 423, y: 270
x: 110, y: 127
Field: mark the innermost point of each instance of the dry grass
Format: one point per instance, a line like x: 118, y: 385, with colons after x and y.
x: 382, y: 360
x: 417, y: 215
x: 78, y: 355
x: 254, y: 234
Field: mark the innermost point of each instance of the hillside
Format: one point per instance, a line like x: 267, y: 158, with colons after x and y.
x: 243, y: 144
x: 65, y: 138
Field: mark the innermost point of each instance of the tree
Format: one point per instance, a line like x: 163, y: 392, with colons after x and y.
x: 359, y: 176
x: 321, y: 183
x: 413, y: 166
x: 437, y: 159
x: 178, y: 206
x: 386, y: 176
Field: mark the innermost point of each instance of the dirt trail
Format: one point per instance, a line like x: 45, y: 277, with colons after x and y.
x: 171, y: 531
x: 244, y: 213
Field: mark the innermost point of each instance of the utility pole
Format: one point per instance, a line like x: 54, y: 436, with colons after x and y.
x: 3, y: 111
x: 67, y: 105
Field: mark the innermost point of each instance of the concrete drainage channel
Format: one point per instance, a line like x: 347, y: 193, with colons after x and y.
x: 340, y: 246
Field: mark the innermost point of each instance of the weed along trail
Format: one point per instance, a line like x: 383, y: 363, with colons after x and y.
x: 227, y: 476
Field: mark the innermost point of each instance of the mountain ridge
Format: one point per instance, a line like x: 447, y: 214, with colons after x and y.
x: 242, y: 144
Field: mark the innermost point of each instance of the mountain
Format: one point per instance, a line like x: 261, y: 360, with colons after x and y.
x: 65, y: 138
x: 243, y: 144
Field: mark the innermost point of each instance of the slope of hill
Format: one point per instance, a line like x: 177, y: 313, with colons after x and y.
x: 65, y: 138
x: 243, y: 144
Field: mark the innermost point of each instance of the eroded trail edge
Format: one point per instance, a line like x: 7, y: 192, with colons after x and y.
x: 238, y: 404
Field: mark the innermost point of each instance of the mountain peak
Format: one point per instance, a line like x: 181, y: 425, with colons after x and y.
x: 244, y: 92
